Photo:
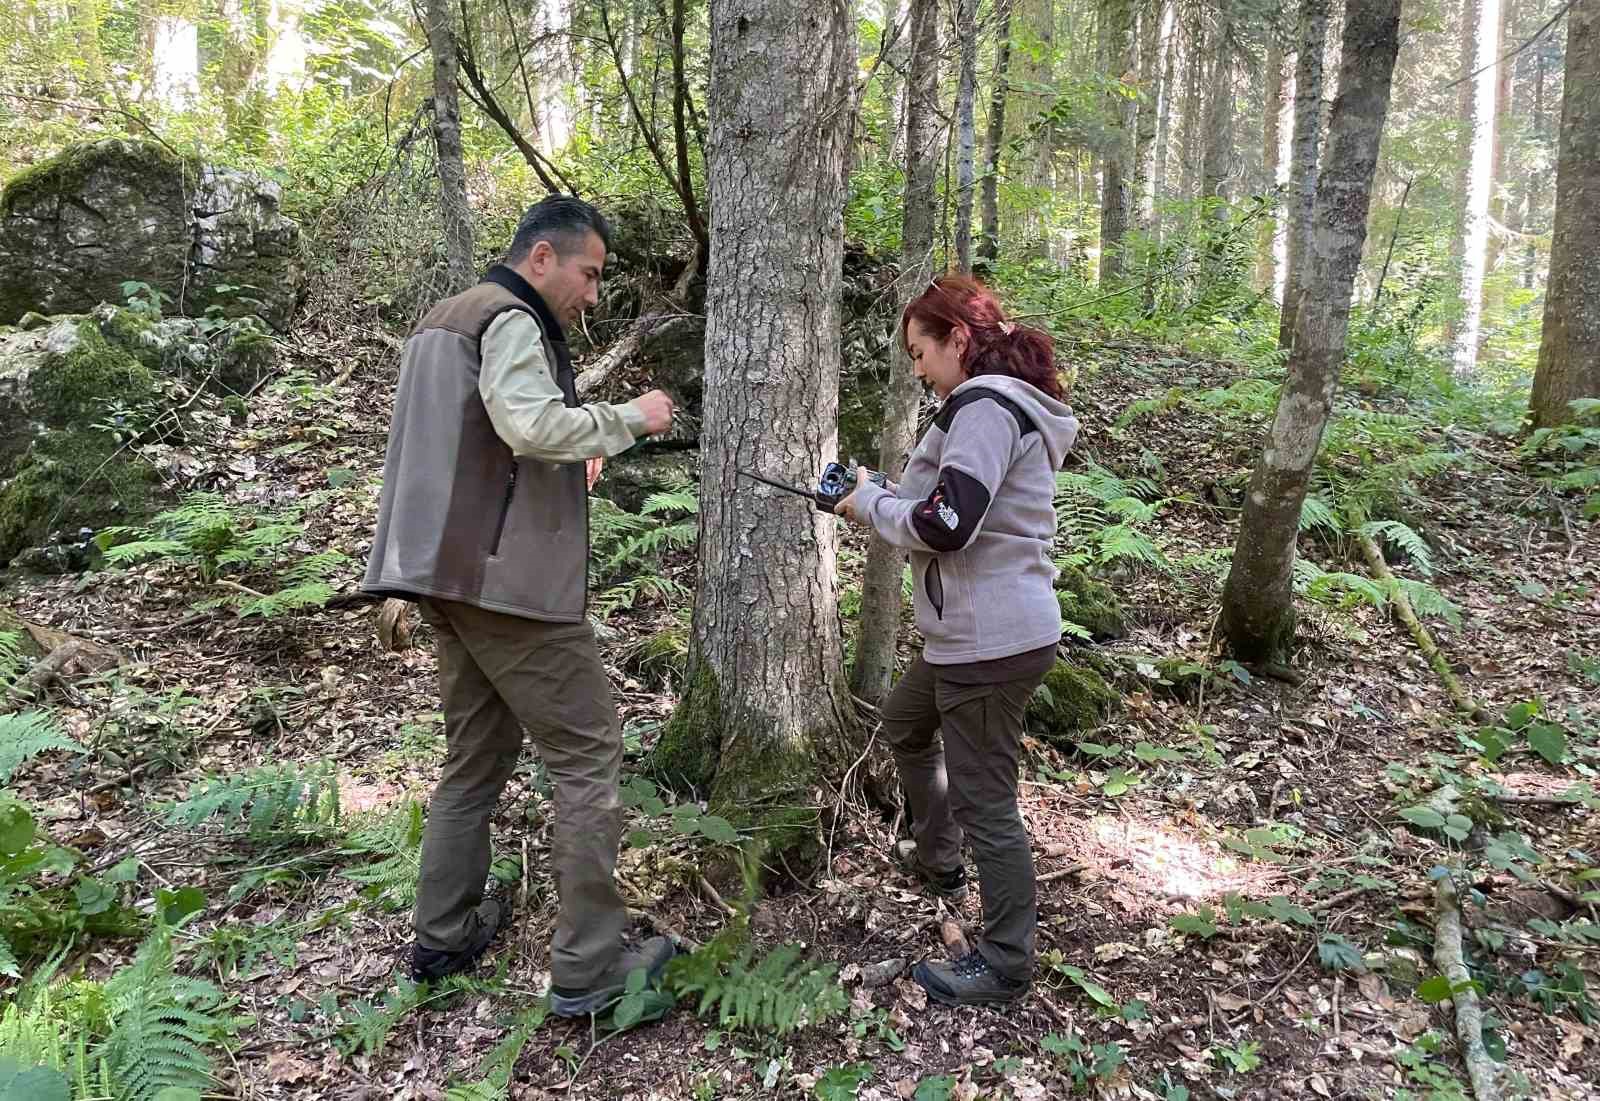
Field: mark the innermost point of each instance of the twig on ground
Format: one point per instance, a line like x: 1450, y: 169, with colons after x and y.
x: 45, y: 672
x: 711, y: 895
x: 1062, y: 873
x: 1430, y: 649
x: 1447, y: 934
x: 663, y: 929
x: 1334, y: 900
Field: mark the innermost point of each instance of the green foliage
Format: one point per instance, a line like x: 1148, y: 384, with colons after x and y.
x: 1081, y: 1061
x: 1101, y: 514
x: 495, y: 1070
x: 779, y: 994
x: 13, y: 660
x: 217, y: 538
x: 25, y: 734
x: 395, y: 838
x: 161, y: 1024
x: 1567, y: 457
x: 273, y: 800
x: 627, y: 548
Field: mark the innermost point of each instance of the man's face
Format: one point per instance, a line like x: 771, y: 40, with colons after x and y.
x: 568, y: 281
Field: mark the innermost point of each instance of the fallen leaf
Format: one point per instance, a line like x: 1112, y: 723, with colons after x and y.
x: 286, y: 1068
x: 912, y: 994
x: 955, y: 941
x: 1232, y: 1004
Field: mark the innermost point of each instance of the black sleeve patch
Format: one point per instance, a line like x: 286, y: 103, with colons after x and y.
x: 947, y: 518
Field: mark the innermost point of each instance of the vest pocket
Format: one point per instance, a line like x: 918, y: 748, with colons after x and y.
x: 933, y: 585
x: 505, y: 509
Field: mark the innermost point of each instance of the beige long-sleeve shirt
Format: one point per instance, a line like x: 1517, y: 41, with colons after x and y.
x: 526, y: 406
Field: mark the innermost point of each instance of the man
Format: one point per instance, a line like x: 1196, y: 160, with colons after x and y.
x: 484, y: 522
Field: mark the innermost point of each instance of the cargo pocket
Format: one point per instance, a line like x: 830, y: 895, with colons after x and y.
x: 933, y: 585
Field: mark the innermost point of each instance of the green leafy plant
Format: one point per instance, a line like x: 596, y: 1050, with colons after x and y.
x: 395, y: 838
x: 628, y: 548
x: 778, y: 994
x: 1082, y: 1062
x: 273, y: 800
x: 25, y: 734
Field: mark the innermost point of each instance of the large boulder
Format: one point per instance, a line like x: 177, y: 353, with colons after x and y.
x: 77, y: 392
x: 99, y: 214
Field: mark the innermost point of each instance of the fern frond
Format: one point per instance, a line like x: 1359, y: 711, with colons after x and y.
x: 1315, y: 513
x: 273, y: 799
x: 1415, y: 547
x: 682, y: 499
x: 396, y: 838
x: 1429, y: 602
x: 25, y: 734
x: 161, y: 1024
x: 309, y: 594
x: 774, y: 997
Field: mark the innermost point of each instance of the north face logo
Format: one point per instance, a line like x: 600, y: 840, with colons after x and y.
x: 948, y: 515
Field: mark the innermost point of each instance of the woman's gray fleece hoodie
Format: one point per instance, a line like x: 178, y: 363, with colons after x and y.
x: 975, y: 510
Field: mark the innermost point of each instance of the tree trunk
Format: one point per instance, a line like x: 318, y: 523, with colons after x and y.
x: 453, y: 208
x: 893, y: 70
x: 1152, y: 24
x: 1158, y: 174
x: 1499, y: 208
x: 1193, y: 111
x: 285, y: 65
x: 994, y: 136
x: 1313, y: 37
x: 966, y: 93
x: 1257, y: 602
x: 1475, y: 198
x: 881, y: 595
x: 1117, y: 17
x: 766, y: 717
x: 1272, y: 114
x: 86, y: 19
x: 1035, y: 68
x: 1569, y: 367
x: 1219, y: 118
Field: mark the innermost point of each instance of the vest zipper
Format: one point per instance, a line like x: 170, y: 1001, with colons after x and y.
x: 505, y: 509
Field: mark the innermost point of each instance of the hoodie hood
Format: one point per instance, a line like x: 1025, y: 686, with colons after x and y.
x: 1058, y: 428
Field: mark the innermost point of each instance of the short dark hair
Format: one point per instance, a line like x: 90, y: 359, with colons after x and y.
x: 561, y: 220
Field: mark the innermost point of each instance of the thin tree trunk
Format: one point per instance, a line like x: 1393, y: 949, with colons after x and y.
x: 766, y: 721
x: 1475, y: 205
x: 1152, y: 22
x: 881, y: 595
x: 1504, y: 91
x: 1158, y: 173
x: 680, y: 134
x: 1193, y: 111
x: 1313, y: 38
x: 893, y: 70
x: 453, y: 208
x: 1117, y: 18
x: 1272, y: 114
x: 1257, y: 602
x: 966, y: 141
x: 1569, y: 367
x: 994, y: 136
x: 1215, y: 166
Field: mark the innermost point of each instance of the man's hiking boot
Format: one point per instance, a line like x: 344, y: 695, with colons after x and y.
x: 967, y: 981
x: 651, y: 956
x: 429, y: 964
x: 951, y: 885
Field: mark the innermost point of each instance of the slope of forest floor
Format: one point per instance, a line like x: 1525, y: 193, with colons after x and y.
x: 1211, y: 857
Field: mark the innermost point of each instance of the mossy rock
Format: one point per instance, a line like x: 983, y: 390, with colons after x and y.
x: 67, y: 480
x: 634, y: 475
x: 1090, y: 604
x: 1072, y: 701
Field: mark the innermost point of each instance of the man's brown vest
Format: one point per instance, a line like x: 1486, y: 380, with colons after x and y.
x: 461, y: 517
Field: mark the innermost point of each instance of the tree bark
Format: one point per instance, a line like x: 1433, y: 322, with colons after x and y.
x: 1569, y: 367
x: 1158, y: 175
x: 1504, y: 91
x: 1475, y: 197
x: 1257, y: 602
x: 966, y: 93
x: 766, y: 718
x: 881, y: 595
x: 453, y: 208
x: 1152, y: 21
x: 1272, y: 112
x: 994, y: 136
x: 1219, y: 117
x: 1117, y: 18
x: 1303, y: 168
x: 893, y: 77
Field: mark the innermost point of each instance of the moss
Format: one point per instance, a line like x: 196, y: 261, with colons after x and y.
x: 1072, y: 701
x: 70, y: 390
x: 1090, y: 604
x: 70, y: 479
x: 685, y: 754
x: 64, y: 173
x: 249, y: 357
x: 767, y: 794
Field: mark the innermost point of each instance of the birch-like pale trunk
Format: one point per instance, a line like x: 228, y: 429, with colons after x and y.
x: 1257, y: 602
x: 453, y: 209
x: 994, y: 135
x: 766, y: 721
x: 1475, y: 199
x: 1569, y: 364
x: 1152, y: 29
x: 1116, y: 172
x: 966, y: 138
x: 882, y: 598
x: 1313, y: 38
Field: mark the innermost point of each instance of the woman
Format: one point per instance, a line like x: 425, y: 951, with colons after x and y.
x: 974, y: 509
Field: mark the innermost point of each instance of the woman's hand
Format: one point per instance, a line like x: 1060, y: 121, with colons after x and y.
x: 847, y: 507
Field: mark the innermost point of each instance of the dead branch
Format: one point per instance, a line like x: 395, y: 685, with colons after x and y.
x: 1469, y: 1020
x: 1430, y: 649
x: 46, y: 671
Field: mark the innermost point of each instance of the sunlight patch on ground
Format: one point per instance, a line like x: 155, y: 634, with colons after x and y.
x: 1181, y: 865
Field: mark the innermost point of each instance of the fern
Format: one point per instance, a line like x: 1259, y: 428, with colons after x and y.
x: 396, y: 838
x: 27, y: 734
x: 272, y: 799
x: 12, y: 659
x: 1315, y: 513
x: 1150, y: 407
x: 1415, y: 547
x: 497, y: 1066
x: 161, y: 1024
x: 774, y: 997
x: 676, y: 499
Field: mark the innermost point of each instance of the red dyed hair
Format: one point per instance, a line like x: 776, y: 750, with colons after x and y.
x: 995, y: 346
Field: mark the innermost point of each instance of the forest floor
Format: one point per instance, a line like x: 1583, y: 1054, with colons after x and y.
x: 1259, y: 815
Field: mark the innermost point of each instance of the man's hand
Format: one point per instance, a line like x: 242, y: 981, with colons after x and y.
x: 592, y: 470
x: 847, y: 507
x: 657, y: 409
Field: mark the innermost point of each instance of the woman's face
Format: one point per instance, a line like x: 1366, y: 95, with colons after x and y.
x: 937, y: 365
